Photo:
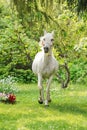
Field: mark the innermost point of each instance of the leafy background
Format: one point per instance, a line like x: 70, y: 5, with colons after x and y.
x: 22, y: 24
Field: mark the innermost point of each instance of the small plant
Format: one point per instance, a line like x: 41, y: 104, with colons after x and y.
x: 8, y: 89
x: 9, y: 98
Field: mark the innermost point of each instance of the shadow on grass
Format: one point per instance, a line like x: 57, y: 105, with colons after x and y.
x: 70, y: 108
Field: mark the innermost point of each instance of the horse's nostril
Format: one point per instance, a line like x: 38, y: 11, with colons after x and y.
x: 46, y: 49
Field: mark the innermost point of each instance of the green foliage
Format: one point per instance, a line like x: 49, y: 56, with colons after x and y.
x: 16, y: 48
x: 79, y: 71
x: 19, y: 33
x: 70, y: 33
x: 25, y: 76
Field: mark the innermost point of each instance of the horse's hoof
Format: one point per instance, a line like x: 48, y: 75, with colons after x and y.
x: 40, y: 102
x: 46, y: 105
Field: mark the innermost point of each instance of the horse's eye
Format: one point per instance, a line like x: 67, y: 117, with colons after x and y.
x: 44, y: 39
x: 52, y: 40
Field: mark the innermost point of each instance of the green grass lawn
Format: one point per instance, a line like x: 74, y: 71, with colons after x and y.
x: 67, y: 111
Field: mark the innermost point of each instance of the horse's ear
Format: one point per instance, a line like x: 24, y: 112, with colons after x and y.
x: 45, y: 32
x: 52, y: 33
x: 41, y: 41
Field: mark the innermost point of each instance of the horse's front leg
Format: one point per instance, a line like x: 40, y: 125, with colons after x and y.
x: 41, y: 90
x: 48, y: 99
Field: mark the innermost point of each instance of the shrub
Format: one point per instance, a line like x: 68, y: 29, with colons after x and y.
x: 25, y: 76
x: 8, y: 85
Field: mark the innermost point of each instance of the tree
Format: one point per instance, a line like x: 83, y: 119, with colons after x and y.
x: 79, y: 5
x: 21, y: 28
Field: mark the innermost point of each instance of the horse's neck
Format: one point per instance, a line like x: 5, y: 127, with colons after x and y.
x: 47, y: 57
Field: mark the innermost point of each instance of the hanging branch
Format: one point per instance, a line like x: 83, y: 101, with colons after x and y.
x: 64, y: 83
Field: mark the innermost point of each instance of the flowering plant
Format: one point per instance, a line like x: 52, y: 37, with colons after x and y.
x: 8, y: 98
x: 7, y: 90
x: 8, y: 85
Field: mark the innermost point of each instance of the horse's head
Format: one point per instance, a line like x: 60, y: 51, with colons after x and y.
x: 46, y: 41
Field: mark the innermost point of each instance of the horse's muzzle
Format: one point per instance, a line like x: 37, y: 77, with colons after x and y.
x: 46, y: 49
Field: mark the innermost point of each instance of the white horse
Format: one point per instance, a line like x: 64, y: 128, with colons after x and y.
x: 45, y: 65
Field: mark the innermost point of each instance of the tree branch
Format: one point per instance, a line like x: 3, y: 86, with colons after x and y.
x: 67, y: 76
